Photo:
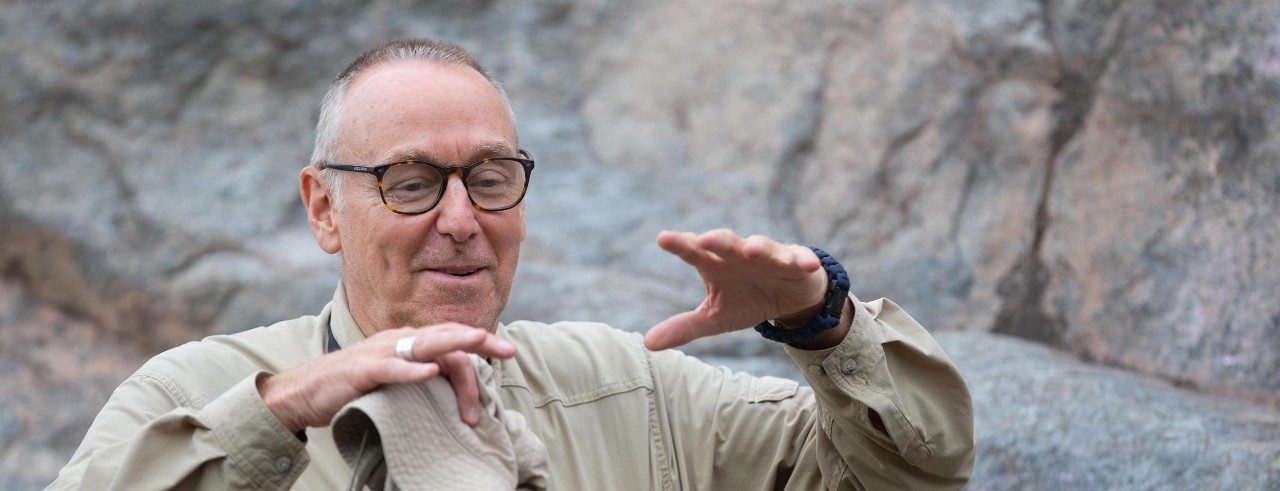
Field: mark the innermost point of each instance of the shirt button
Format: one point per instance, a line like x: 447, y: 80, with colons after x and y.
x: 848, y: 368
x: 283, y: 464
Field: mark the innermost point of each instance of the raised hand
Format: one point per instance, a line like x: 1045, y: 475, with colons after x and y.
x: 747, y: 281
x: 310, y: 394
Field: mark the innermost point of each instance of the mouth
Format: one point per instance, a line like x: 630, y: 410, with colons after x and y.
x: 460, y: 272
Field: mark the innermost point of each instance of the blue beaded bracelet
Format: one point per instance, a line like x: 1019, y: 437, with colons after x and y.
x: 832, y: 306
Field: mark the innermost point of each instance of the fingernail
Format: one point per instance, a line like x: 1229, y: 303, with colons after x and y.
x: 473, y: 415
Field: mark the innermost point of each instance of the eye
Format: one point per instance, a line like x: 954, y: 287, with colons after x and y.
x: 487, y: 179
x: 410, y: 180
x: 409, y: 185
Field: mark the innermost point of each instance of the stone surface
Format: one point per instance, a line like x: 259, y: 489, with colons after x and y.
x: 1098, y: 176
x: 1094, y: 175
x: 56, y: 372
x: 1048, y: 421
x: 1160, y: 251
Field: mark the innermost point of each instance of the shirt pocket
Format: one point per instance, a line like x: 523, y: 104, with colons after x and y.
x: 771, y: 389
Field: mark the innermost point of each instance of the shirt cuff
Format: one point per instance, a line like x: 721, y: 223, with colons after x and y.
x: 852, y: 359
x: 856, y: 370
x: 256, y: 442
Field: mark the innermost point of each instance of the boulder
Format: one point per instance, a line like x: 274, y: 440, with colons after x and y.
x: 1046, y: 420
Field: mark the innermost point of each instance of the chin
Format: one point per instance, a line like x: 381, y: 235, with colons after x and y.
x: 462, y: 314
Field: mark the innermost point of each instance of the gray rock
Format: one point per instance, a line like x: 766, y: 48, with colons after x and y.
x: 1045, y: 420
x: 1160, y: 248
x: 1012, y: 166
x: 56, y: 372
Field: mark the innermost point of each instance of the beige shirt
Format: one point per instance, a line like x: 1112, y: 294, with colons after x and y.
x: 612, y: 414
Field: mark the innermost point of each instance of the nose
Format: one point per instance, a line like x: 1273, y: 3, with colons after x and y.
x: 455, y: 216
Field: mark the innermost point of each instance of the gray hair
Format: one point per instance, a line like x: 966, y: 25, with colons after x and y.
x: 327, y: 141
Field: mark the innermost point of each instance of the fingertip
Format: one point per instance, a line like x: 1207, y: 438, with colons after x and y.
x: 502, y: 348
x: 503, y: 344
x: 431, y: 369
x: 653, y: 342
x: 805, y: 258
x: 671, y: 241
x: 671, y: 333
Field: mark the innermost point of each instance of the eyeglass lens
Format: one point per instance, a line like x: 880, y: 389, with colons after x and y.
x: 413, y: 187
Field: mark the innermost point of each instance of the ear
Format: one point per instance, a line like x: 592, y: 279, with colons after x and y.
x: 321, y: 213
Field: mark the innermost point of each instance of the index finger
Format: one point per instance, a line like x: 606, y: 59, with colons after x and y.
x: 685, y: 246
x: 431, y: 342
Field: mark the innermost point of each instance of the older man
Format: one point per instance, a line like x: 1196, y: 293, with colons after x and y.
x: 417, y: 181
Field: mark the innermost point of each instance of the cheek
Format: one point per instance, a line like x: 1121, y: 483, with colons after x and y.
x: 505, y: 233
x: 517, y: 223
x: 377, y: 239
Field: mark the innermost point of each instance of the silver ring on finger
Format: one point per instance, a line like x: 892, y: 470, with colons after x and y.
x: 404, y: 348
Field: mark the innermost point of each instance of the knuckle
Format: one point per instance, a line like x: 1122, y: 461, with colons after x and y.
x: 453, y: 359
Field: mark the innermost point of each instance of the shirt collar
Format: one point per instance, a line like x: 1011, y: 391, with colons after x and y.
x: 506, y: 372
x: 345, y: 330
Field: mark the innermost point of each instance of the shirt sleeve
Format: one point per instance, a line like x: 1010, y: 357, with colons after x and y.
x: 887, y: 410
x: 153, y: 435
x: 895, y: 409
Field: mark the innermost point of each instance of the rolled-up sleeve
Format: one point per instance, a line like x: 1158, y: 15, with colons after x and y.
x: 894, y: 407
x: 886, y: 410
x: 153, y: 435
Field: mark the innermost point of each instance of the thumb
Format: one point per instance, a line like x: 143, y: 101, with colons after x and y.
x: 678, y: 330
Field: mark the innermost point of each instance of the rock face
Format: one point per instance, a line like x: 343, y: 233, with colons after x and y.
x: 56, y: 371
x: 1047, y: 421
x: 1097, y: 176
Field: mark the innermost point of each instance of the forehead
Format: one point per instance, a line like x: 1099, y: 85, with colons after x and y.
x: 425, y: 110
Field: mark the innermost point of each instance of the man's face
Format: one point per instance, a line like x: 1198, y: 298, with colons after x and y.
x: 454, y: 262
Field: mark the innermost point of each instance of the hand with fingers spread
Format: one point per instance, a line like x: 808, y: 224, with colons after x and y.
x: 747, y: 281
x: 310, y: 394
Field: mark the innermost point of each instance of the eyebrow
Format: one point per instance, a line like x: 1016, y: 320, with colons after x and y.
x: 484, y: 150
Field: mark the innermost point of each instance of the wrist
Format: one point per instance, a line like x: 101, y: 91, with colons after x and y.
x: 274, y: 397
x: 797, y: 319
x: 831, y: 337
x: 826, y: 316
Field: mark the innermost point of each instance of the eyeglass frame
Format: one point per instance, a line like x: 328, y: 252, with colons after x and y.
x: 445, y: 171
